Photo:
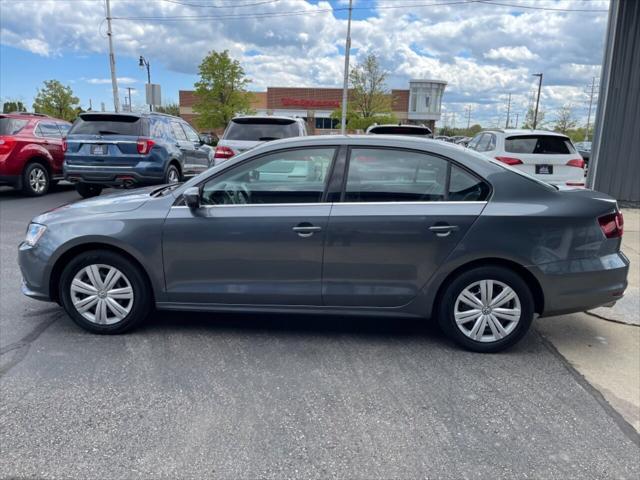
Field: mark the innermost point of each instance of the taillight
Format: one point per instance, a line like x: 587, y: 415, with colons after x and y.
x: 145, y: 145
x: 575, y: 184
x: 64, y: 144
x: 6, y: 145
x: 576, y: 162
x: 612, y: 225
x: 223, y: 153
x: 510, y: 160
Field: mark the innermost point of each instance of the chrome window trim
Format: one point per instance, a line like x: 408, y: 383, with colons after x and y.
x: 335, y: 204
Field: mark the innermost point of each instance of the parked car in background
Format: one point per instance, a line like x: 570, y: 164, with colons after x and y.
x: 443, y: 138
x: 128, y: 149
x: 399, y: 129
x: 464, y: 141
x: 548, y: 156
x: 245, y: 132
x: 31, y: 151
x: 371, y: 224
x: 584, y: 149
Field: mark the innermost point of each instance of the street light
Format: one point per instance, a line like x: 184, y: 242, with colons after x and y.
x: 145, y: 63
x: 535, y: 115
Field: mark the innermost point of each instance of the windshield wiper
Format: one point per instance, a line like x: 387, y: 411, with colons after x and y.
x: 264, y: 139
x: 107, y: 132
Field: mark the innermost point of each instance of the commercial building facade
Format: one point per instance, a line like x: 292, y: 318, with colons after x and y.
x: 419, y: 104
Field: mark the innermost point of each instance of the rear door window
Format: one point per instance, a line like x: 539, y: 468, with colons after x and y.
x: 178, y: 132
x: 190, y: 133
x: 258, y: 130
x: 107, y: 125
x: 483, y: 144
x: 11, y: 126
x: 48, y: 130
x: 539, y: 144
x: 64, y: 128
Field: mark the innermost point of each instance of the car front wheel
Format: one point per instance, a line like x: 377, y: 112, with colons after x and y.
x: 486, y: 309
x: 172, y: 175
x: 104, y: 292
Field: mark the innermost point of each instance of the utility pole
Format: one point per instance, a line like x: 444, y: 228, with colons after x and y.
x: 468, y: 109
x: 535, y: 115
x: 112, y: 60
x: 517, y: 115
x: 345, y: 85
x: 508, y: 111
x: 90, y: 105
x: 591, y: 97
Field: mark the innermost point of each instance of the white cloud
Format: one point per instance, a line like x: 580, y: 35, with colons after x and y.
x: 101, y: 81
x: 519, y: 54
x: 482, y: 51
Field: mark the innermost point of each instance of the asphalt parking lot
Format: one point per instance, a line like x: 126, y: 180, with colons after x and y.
x: 247, y: 396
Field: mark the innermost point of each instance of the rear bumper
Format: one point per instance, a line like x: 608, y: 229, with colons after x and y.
x: 144, y: 172
x: 579, y: 285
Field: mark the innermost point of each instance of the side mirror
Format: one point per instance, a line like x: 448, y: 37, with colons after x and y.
x: 192, y: 197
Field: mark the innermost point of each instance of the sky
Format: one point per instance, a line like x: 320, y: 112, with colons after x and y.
x: 483, y: 49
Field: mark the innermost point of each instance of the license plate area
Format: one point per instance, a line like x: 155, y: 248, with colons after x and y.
x: 98, y: 149
x: 544, y: 169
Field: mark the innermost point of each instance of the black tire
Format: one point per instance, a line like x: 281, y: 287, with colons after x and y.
x: 455, y: 287
x: 88, y: 190
x: 35, y: 180
x: 172, y: 173
x: 141, y: 301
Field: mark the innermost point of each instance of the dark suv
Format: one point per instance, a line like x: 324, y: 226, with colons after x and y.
x: 31, y: 151
x: 128, y: 149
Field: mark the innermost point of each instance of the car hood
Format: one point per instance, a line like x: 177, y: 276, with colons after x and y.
x: 123, y: 201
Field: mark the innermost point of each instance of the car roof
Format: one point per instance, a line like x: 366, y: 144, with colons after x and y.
x: 259, y: 117
x: 521, y: 131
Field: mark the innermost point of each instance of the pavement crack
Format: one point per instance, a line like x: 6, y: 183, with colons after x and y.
x: 22, y: 346
x: 591, y: 314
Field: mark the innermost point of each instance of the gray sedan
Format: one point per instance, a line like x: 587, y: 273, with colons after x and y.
x: 370, y: 225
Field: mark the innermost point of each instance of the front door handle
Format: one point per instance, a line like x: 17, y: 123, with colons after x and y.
x: 305, y: 230
x: 443, y: 230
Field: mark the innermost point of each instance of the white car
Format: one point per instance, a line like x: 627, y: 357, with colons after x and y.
x: 549, y: 156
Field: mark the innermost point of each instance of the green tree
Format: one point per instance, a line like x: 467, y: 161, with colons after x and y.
x: 368, y: 96
x: 221, y: 91
x: 528, y: 119
x: 473, y: 130
x: 356, y: 122
x: 565, y: 120
x: 56, y: 100
x: 171, y: 108
x: 13, y: 106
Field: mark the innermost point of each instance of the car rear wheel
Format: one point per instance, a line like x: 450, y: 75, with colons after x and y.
x: 172, y: 175
x: 103, y: 292
x: 486, y: 309
x: 35, y: 180
x: 88, y: 190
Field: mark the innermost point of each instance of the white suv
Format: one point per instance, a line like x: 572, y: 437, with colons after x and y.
x: 246, y: 132
x: 548, y: 156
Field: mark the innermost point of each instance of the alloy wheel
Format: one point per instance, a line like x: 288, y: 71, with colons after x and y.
x: 38, y: 179
x: 173, y: 176
x: 487, y: 311
x: 102, y: 294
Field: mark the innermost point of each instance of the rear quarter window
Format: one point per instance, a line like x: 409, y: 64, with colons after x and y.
x: 539, y: 144
x: 11, y: 126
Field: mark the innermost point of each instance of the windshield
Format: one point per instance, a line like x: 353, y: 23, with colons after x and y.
x: 11, y: 126
x: 107, y: 125
x: 539, y: 144
x: 261, y: 129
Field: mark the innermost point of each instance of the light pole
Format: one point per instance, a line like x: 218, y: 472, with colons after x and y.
x: 145, y: 63
x: 112, y: 61
x: 535, y: 115
x: 345, y: 85
x: 129, y: 89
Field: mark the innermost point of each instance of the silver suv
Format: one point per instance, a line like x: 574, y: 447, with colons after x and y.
x: 246, y: 132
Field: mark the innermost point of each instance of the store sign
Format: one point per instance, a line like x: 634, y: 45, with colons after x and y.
x: 308, y: 103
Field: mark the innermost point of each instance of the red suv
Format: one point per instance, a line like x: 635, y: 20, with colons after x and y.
x: 31, y: 152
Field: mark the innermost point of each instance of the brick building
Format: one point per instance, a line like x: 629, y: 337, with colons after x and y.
x: 419, y: 104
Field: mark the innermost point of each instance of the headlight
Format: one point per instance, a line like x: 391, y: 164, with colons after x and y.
x: 34, y: 232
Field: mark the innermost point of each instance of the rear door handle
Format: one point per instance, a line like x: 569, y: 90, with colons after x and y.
x: 443, y: 230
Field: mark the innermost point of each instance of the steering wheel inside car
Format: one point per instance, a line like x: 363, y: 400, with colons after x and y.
x: 235, y: 193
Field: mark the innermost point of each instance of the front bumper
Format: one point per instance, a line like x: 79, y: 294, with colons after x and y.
x: 35, y: 271
x: 578, y: 285
x: 143, y: 173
